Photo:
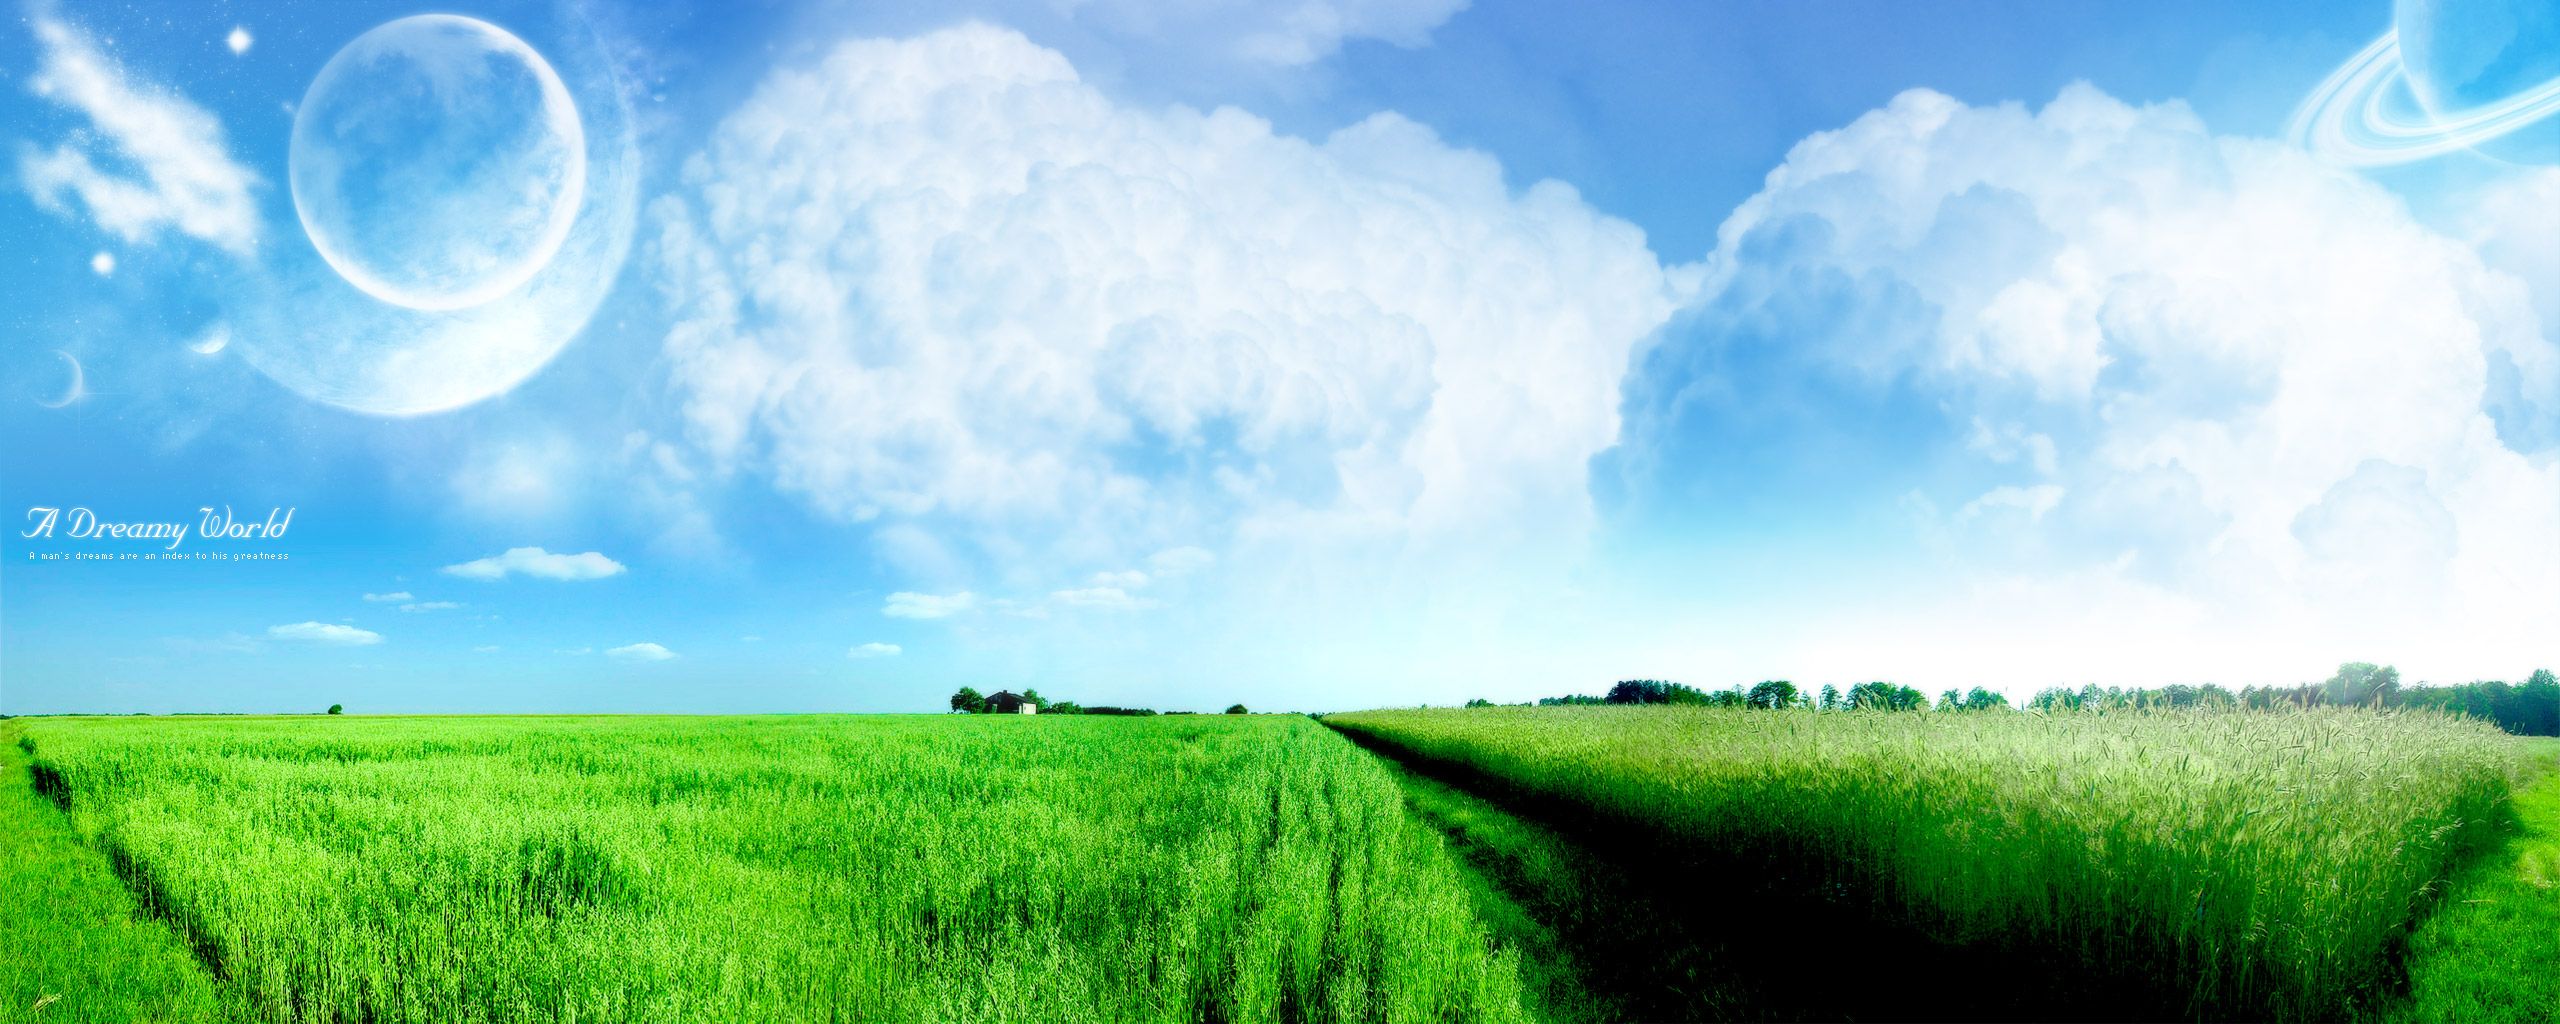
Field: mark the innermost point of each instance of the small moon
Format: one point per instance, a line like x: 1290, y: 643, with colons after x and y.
x: 437, y: 162
x: 213, y: 340
x: 79, y: 384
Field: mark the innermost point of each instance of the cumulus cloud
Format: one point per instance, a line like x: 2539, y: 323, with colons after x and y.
x: 187, y: 178
x: 943, y: 280
x: 392, y: 597
x: 640, y: 652
x: 911, y: 605
x: 874, y: 650
x: 1109, y: 599
x: 2171, y: 381
x: 539, y: 564
x: 325, y: 633
x: 2514, y: 223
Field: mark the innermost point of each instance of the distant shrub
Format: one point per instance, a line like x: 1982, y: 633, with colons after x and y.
x: 1237, y: 709
x: 337, y: 709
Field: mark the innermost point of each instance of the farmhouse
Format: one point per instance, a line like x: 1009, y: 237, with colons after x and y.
x: 1007, y: 702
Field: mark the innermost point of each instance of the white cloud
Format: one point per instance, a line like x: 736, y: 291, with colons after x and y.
x: 907, y: 604
x: 539, y: 564
x: 430, y: 606
x: 1181, y: 561
x: 2514, y: 223
x: 874, y: 650
x: 1128, y: 579
x: 944, y: 281
x: 390, y: 598
x: 640, y: 652
x: 1112, y: 599
x: 325, y: 633
x: 513, y: 478
x: 2234, y: 393
x: 188, y: 180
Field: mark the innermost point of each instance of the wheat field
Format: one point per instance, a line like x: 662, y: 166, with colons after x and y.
x: 787, y: 868
x: 2207, y: 864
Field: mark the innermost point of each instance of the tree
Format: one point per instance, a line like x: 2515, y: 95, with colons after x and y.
x: 1830, y: 697
x: 337, y: 709
x: 1639, y: 691
x: 1656, y: 691
x: 1952, y: 700
x: 969, y: 701
x: 1032, y: 697
x: 1479, y: 703
x: 1237, y: 709
x: 1979, y: 699
x: 2540, y: 695
x: 1882, y: 696
x: 2361, y: 682
x: 1773, y: 695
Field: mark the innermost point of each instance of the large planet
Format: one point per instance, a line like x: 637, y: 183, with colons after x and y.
x: 2464, y: 55
x: 470, y: 202
x: 437, y: 162
x: 2452, y: 75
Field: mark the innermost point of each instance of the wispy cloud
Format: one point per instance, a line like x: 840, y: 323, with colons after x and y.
x: 539, y: 564
x: 396, y: 595
x: 1181, y: 561
x: 325, y: 633
x: 188, y: 180
x: 640, y: 652
x: 907, y: 604
x: 875, y: 650
x: 431, y: 606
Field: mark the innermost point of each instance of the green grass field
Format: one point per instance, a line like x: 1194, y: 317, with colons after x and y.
x: 801, y: 869
x: 1565, y: 864
x: 2156, y: 864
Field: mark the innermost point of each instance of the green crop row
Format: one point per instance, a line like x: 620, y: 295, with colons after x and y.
x: 2213, y: 864
x: 802, y: 869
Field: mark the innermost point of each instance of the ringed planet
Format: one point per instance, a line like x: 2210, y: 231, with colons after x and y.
x: 2478, y: 75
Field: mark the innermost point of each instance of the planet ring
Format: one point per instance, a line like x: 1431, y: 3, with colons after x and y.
x: 2345, y: 119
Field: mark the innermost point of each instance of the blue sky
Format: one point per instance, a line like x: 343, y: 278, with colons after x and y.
x: 1317, y: 355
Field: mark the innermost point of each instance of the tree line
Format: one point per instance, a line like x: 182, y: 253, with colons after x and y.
x: 968, y: 701
x: 1781, y: 694
x: 2530, y: 708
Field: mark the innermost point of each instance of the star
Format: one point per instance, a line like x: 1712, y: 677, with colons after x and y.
x: 104, y: 263
x: 238, y: 40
